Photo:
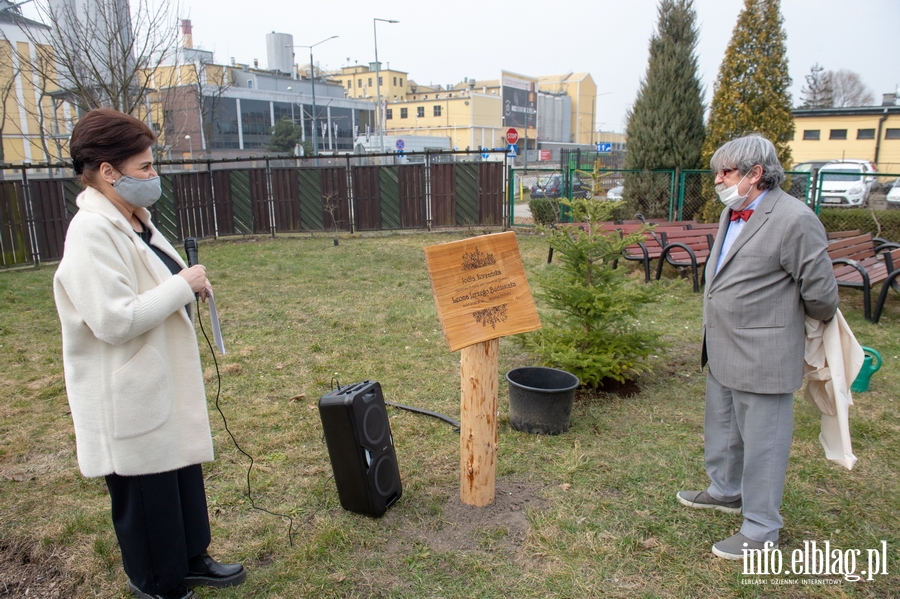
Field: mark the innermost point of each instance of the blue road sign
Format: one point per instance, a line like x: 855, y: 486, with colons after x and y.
x: 485, y: 155
x: 604, y: 147
x: 511, y: 150
x: 400, y: 144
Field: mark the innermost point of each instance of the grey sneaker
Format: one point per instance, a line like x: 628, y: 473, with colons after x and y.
x: 733, y: 547
x: 704, y: 501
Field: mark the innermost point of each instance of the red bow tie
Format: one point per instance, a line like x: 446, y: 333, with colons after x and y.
x: 740, y: 214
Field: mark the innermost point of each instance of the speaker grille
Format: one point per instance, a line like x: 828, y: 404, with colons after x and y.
x: 374, y: 424
x: 385, y: 475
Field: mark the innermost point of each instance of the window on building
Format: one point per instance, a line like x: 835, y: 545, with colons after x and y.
x: 401, y: 81
x: 349, y: 83
x: 838, y: 134
x: 437, y: 110
x: 370, y: 82
x: 865, y: 134
x: 395, y: 81
x: 811, y: 134
x: 420, y: 111
x: 404, y: 113
x: 892, y: 133
x: 388, y: 114
x: 250, y: 84
x: 380, y: 80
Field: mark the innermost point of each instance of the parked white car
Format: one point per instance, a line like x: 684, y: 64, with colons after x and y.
x: 846, y: 183
x: 615, y: 193
x: 893, y: 195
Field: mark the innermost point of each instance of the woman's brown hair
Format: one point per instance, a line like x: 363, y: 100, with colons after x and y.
x: 106, y: 135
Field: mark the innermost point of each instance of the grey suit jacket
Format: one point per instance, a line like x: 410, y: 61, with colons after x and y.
x: 755, y: 306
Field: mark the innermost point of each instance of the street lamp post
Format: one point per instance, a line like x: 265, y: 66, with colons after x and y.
x: 190, y: 145
x: 379, y: 121
x: 312, y: 78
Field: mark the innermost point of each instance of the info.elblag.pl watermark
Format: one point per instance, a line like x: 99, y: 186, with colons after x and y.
x: 812, y: 562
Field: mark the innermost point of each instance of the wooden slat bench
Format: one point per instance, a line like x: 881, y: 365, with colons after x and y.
x: 651, y: 247
x: 833, y: 235
x: 860, y: 263
x: 686, y: 249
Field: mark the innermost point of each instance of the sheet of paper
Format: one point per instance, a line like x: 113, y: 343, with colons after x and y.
x: 214, y: 319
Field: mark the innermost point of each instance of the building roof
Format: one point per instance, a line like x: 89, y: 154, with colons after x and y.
x: 568, y: 78
x: 848, y: 111
x: 10, y: 13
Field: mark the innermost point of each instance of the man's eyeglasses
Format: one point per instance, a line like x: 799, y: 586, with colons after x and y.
x: 725, y: 171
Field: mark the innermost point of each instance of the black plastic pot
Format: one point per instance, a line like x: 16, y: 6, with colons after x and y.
x: 540, y: 399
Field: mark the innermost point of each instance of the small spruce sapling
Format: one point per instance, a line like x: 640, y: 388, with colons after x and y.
x: 592, y: 328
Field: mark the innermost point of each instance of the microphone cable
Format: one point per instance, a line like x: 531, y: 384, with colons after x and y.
x: 237, y: 445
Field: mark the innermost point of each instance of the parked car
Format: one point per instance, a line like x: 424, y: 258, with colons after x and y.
x: 615, y: 193
x: 893, y: 195
x: 551, y: 186
x: 801, y: 187
x: 812, y: 165
x: 846, y: 183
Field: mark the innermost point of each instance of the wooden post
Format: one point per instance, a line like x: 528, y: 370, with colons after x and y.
x: 478, y: 422
x: 481, y: 294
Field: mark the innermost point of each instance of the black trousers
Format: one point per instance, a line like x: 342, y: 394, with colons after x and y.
x: 161, y: 521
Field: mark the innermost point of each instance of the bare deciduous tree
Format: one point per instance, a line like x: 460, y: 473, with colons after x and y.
x: 849, y: 90
x: 190, y: 89
x: 817, y: 93
x: 102, y: 52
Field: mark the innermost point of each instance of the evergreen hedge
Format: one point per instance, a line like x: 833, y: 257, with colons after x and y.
x: 880, y: 223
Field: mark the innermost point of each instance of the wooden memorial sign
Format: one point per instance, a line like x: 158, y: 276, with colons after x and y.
x: 480, y: 289
x: 481, y: 294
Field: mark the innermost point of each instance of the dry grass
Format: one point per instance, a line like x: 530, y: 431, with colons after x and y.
x: 590, y: 513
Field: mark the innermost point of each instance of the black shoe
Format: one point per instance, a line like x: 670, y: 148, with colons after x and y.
x: 205, y: 571
x: 176, y: 593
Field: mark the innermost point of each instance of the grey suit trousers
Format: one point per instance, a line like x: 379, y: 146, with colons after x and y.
x: 747, y: 444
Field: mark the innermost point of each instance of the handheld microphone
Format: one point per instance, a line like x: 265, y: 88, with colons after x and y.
x: 190, y: 248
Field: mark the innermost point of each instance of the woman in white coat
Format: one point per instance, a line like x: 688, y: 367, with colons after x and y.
x: 132, y: 365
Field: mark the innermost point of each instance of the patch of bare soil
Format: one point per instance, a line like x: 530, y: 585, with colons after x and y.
x: 609, y: 386
x: 25, y: 572
x: 499, y: 527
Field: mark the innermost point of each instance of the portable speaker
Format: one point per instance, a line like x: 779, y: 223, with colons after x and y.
x: 358, y: 436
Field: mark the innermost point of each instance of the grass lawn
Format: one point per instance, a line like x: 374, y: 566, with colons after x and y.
x: 589, y: 513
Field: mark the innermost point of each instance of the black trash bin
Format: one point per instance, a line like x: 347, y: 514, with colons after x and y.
x: 540, y: 399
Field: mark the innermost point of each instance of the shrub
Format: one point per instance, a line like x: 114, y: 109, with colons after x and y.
x: 593, y: 330
x: 545, y: 211
x: 880, y: 223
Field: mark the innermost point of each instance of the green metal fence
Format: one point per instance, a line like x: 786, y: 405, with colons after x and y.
x: 671, y: 194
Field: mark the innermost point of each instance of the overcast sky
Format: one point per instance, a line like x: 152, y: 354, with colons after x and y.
x: 444, y: 42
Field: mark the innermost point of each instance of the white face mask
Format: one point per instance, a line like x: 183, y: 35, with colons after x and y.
x: 730, y: 196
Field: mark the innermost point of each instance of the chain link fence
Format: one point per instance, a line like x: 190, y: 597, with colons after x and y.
x: 689, y: 194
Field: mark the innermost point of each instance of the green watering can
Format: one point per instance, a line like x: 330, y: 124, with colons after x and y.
x: 861, y: 384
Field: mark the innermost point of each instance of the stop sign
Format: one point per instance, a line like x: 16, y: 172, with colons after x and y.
x: 512, y: 136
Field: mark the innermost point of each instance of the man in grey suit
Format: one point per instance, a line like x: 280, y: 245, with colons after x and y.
x: 767, y: 271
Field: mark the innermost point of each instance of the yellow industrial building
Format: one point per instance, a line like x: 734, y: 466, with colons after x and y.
x: 474, y: 113
x: 860, y: 133
x: 29, y: 131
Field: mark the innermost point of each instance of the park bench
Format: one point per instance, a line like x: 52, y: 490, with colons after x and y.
x: 651, y: 247
x: 644, y: 251
x: 861, y: 263
x: 687, y: 248
x: 834, y: 235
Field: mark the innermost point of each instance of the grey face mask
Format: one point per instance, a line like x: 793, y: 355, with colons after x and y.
x: 141, y: 193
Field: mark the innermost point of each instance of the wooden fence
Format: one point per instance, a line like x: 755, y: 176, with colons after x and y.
x: 267, y: 196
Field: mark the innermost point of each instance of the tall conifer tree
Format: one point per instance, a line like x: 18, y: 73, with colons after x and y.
x: 751, y: 93
x: 665, y: 125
